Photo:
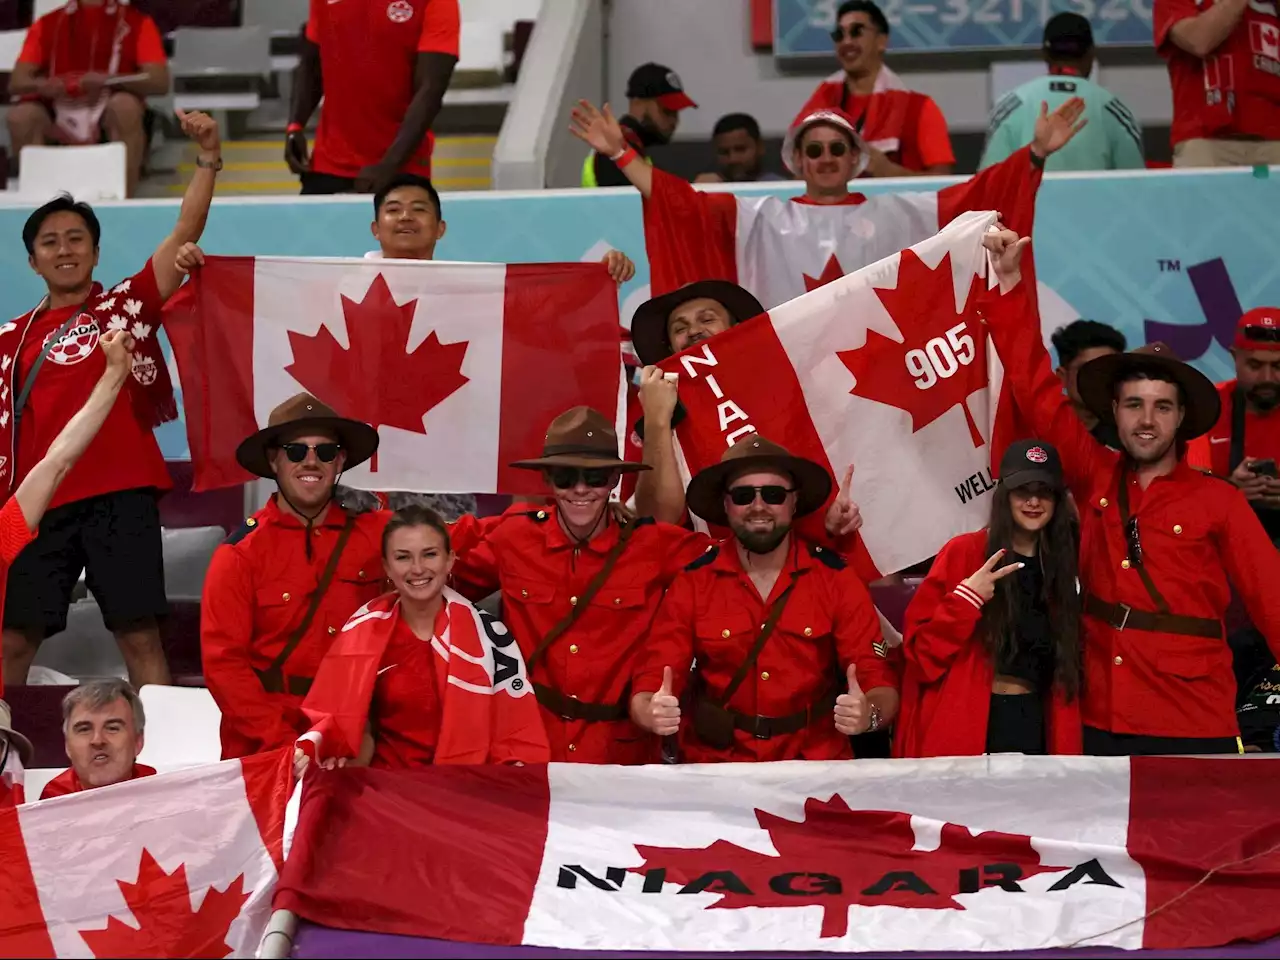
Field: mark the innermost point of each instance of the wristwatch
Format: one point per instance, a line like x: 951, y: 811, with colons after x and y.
x: 874, y: 713
x: 215, y: 166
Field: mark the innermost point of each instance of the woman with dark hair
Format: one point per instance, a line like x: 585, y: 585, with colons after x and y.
x: 992, y: 639
x: 420, y: 676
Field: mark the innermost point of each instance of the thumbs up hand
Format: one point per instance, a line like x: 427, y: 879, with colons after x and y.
x: 852, y: 716
x: 664, y: 708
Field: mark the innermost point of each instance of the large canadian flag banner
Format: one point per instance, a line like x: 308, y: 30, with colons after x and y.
x: 460, y: 366
x: 178, y: 865
x: 979, y: 853
x: 888, y: 370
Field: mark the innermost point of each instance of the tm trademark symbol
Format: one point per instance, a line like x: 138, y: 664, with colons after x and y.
x: 1169, y: 266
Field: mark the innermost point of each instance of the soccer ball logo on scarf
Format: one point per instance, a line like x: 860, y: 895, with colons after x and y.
x: 76, y: 344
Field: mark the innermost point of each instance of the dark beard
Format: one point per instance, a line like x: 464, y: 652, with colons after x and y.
x: 766, y: 541
x: 653, y: 133
x: 1264, y: 397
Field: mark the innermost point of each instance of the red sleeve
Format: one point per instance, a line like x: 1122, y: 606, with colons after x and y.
x: 1015, y: 329
x: 932, y: 137
x: 475, y: 565
x: 827, y: 94
x: 34, y: 48
x: 1165, y: 13
x: 1008, y: 187
x: 688, y: 235
x: 1252, y: 564
x: 670, y: 641
x: 441, y: 27
x: 940, y: 620
x: 14, y: 532
x: 857, y: 634
x: 313, y: 20
x: 149, y: 44
x: 226, y: 635
x: 679, y: 548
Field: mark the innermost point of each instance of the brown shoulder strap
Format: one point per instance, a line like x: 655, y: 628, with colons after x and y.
x: 766, y: 629
x: 317, y: 596
x: 1122, y: 501
x: 587, y: 595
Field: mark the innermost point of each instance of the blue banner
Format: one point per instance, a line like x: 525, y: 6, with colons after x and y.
x: 1133, y: 250
x: 802, y: 28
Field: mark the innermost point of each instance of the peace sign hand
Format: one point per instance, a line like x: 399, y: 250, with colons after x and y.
x: 983, y: 581
x: 843, y: 516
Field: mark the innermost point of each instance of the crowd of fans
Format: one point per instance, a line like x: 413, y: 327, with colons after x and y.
x: 1089, y: 615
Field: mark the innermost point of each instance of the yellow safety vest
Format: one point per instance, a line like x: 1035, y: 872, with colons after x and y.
x: 589, y: 170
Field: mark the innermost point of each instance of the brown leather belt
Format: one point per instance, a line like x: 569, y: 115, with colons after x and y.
x: 766, y: 728
x: 274, y: 681
x: 569, y: 708
x: 1124, y: 617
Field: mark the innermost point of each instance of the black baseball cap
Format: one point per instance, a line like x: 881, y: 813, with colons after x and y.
x: 653, y: 81
x: 1031, y: 461
x: 1068, y: 35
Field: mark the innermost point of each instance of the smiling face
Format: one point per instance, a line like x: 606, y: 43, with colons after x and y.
x: 1032, y: 506
x: 826, y: 174
x: 408, y: 226
x: 1148, y: 414
x: 581, y: 494
x: 307, y: 484
x: 696, y: 320
x: 861, y: 46
x: 103, y: 744
x: 418, y: 561
x: 64, y: 254
x: 760, y: 526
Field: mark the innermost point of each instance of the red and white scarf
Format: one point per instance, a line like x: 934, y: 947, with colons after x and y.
x: 75, y: 121
x: 488, y: 712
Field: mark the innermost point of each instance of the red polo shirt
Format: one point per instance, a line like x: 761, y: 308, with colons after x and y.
x: 67, y: 782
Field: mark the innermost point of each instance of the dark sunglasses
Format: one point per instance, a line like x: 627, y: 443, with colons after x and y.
x: 566, y: 478
x: 837, y: 148
x: 855, y: 31
x: 1134, y: 542
x: 771, y: 494
x: 1265, y: 334
x: 297, y: 452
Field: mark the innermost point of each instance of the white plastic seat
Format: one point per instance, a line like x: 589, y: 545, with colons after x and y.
x: 182, y: 727
x: 92, y: 173
x: 10, y: 46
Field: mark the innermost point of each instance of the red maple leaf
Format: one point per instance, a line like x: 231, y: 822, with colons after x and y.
x: 377, y: 379
x: 166, y: 924
x: 837, y: 857
x: 943, y: 355
x: 830, y: 271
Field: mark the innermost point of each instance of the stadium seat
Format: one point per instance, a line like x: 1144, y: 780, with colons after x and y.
x: 182, y: 727
x: 10, y: 47
x: 91, y: 173
x: 220, y: 69
x: 280, y: 18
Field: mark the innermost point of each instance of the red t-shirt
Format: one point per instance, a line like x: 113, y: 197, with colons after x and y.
x: 406, y: 704
x: 67, y: 782
x: 1251, y: 46
x: 368, y: 49
x: 1261, y: 433
x: 124, y: 455
x: 887, y: 123
x: 14, y: 535
x: 83, y: 42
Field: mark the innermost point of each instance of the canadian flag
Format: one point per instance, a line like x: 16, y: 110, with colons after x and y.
x: 178, y: 865
x: 460, y: 366
x: 887, y: 369
x: 993, y: 853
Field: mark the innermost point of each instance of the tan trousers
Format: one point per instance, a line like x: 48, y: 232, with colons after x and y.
x: 1226, y: 153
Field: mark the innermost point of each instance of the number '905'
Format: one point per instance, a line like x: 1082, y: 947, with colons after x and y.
x: 941, y: 357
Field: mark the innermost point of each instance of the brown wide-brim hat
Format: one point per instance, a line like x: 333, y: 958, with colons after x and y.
x: 25, y: 750
x: 299, y: 415
x: 1097, y: 379
x: 649, y: 323
x: 705, y: 495
x: 580, y: 437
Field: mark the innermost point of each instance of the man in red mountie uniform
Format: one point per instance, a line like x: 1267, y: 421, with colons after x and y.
x: 1162, y: 544
x: 774, y: 628
x: 103, y: 519
x: 382, y: 67
x: 1224, y: 66
x: 281, y: 587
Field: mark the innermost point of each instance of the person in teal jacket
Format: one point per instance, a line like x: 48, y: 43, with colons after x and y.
x: 1113, y: 138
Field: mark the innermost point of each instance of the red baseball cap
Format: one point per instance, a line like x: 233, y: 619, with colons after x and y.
x: 653, y: 81
x: 1259, y: 329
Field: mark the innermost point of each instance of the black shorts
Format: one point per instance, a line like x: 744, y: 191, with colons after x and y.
x: 1015, y: 724
x: 320, y: 184
x: 115, y: 540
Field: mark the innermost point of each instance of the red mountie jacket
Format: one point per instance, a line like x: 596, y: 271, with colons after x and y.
x: 946, y: 687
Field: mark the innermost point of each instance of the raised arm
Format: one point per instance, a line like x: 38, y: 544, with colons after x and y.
x: 660, y: 490
x: 1203, y: 33
x: 37, y: 489
x: 194, y: 212
x: 600, y: 130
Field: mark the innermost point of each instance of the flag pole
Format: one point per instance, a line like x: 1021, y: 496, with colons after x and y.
x: 277, y: 939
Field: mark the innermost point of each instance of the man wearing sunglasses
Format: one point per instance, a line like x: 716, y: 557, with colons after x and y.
x: 281, y: 587
x: 905, y: 131
x: 1162, y: 544
x: 1244, y: 444
x: 781, y: 636
x: 580, y: 583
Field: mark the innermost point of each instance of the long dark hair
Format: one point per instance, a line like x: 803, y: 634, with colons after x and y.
x: 1058, y: 555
